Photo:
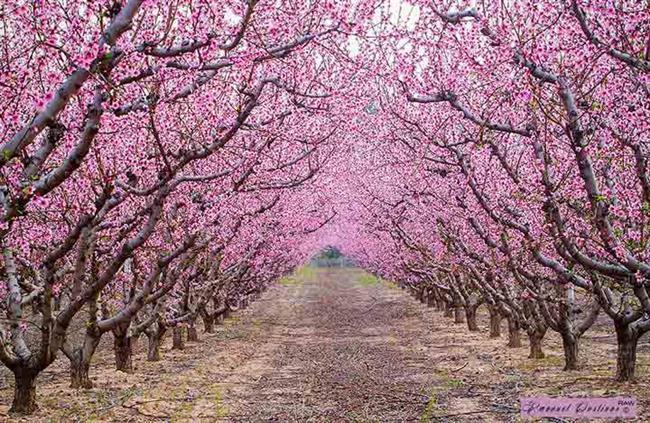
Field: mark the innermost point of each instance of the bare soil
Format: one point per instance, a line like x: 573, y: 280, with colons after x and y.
x: 333, y: 345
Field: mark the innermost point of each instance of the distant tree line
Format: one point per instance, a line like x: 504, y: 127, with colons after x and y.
x: 331, y: 257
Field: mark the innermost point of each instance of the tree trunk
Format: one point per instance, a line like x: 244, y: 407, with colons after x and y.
x: 459, y: 314
x: 431, y: 300
x: 470, y: 315
x: 571, y: 349
x: 80, y: 362
x: 79, y: 369
x: 123, y: 349
x: 440, y: 305
x: 422, y: 295
x: 626, y: 357
x: 535, y: 338
x: 495, y: 322
x: 449, y: 310
x: 514, y: 333
x: 24, y: 392
x: 177, y: 338
x: 155, y: 340
x: 192, y: 334
x: 208, y: 323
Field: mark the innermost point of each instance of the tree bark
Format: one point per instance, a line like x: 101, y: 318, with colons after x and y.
x: 470, y: 315
x: 449, y: 310
x: 422, y: 295
x: 80, y: 362
x: 571, y: 351
x: 192, y: 334
x: 535, y: 338
x: 440, y: 305
x: 24, y: 392
x: 626, y: 356
x: 431, y: 300
x: 123, y: 349
x: 208, y: 323
x: 79, y: 369
x: 178, y: 343
x: 514, y: 333
x: 459, y: 314
x: 495, y: 322
x: 155, y: 340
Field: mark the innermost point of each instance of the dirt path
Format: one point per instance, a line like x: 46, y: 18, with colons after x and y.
x: 328, y: 345
x: 336, y: 350
x: 331, y: 345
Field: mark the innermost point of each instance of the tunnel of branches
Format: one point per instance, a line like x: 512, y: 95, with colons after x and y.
x: 163, y: 163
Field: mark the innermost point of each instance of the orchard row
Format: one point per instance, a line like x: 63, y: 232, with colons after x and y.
x: 164, y: 161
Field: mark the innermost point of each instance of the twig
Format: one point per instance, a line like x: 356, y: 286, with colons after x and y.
x: 461, y: 367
